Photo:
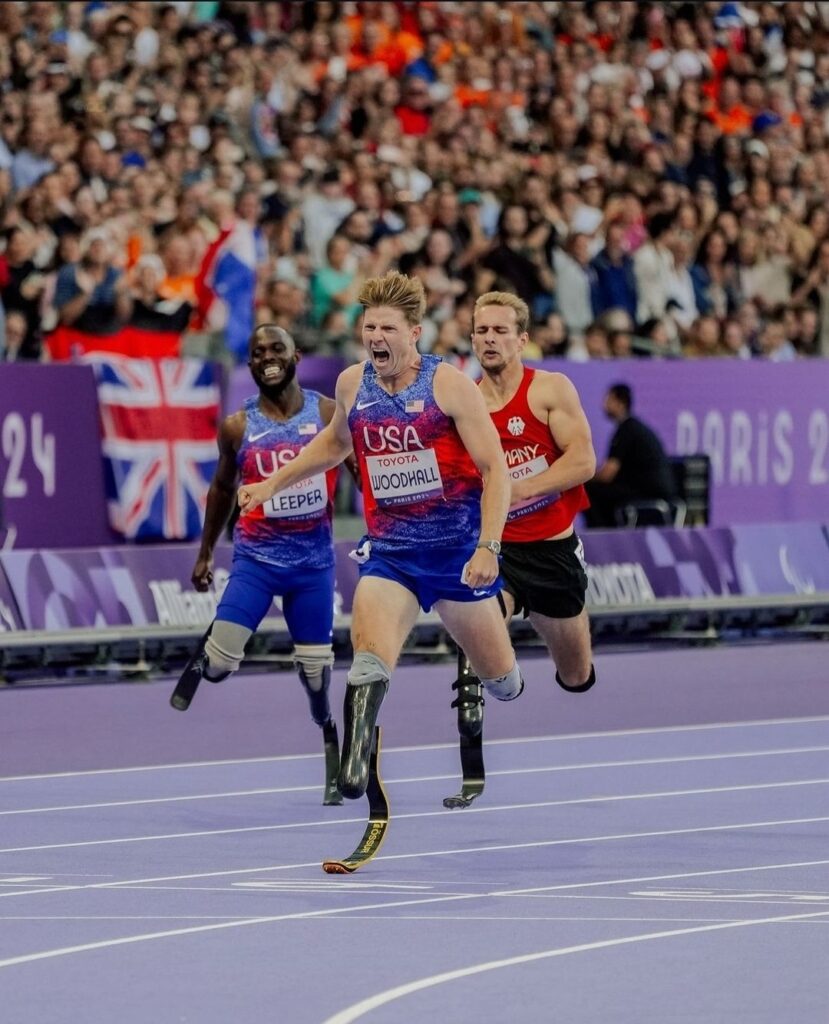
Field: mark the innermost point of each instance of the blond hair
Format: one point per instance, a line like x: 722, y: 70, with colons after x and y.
x: 522, y: 310
x: 398, y: 291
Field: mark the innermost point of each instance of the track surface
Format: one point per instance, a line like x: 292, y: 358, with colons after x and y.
x: 654, y: 850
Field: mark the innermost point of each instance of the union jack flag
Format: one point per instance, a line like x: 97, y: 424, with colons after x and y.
x: 159, y: 420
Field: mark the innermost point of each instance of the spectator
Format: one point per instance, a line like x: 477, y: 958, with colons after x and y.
x: 682, y: 303
x: 636, y: 467
x: 322, y: 212
x: 714, y: 277
x: 14, y: 337
x: 21, y: 288
x: 705, y: 340
x: 336, y: 284
x: 653, y: 265
x: 151, y: 309
x: 31, y: 163
x: 774, y: 345
x: 734, y: 341
x: 93, y: 295
x: 516, y: 264
x: 573, y: 273
x: 614, y: 280
x: 286, y: 306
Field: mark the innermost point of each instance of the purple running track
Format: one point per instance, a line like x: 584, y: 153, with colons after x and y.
x: 655, y: 850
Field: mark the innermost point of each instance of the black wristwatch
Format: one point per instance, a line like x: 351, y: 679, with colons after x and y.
x: 491, y: 545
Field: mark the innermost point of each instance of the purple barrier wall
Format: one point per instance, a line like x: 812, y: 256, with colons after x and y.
x: 151, y: 584
x: 50, y: 457
x: 764, y: 425
x: 633, y: 566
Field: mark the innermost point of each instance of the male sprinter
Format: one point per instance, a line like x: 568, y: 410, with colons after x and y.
x: 284, y: 548
x: 436, y: 495
x: 546, y: 439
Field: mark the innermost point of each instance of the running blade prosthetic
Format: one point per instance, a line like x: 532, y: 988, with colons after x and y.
x: 378, y: 819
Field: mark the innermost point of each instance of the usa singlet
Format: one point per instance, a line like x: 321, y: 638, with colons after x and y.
x: 294, y: 527
x: 420, y: 484
x: 530, y: 450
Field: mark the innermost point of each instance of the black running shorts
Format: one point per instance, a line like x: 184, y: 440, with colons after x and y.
x: 545, y: 576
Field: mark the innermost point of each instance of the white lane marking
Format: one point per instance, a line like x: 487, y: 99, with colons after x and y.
x: 139, y: 883
x: 357, y: 1010
x: 543, y: 769
x: 305, y: 915
x: 564, y: 737
x: 740, y: 826
x: 86, y: 947
x: 496, y: 808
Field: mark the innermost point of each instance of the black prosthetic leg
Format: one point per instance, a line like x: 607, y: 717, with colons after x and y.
x: 321, y: 714
x: 470, y: 705
x: 470, y: 699
x: 194, y: 672
x: 331, y: 796
x: 378, y: 819
x: 362, y: 703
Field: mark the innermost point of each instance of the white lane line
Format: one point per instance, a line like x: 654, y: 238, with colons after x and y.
x: 326, y: 913
x: 492, y: 848
x: 564, y: 737
x: 543, y: 769
x: 357, y: 1010
x: 152, y: 882
x: 466, y: 918
x: 126, y: 917
x: 49, y: 954
x: 496, y: 808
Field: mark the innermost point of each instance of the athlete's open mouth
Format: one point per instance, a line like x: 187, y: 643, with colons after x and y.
x: 272, y: 372
x: 381, y: 356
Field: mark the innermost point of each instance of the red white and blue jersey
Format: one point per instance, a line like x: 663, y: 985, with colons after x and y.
x: 420, y: 485
x: 294, y: 527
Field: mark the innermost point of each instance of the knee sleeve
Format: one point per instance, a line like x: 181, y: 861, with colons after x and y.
x: 580, y: 687
x: 506, y: 687
x: 225, y: 647
x: 368, y: 668
x: 313, y: 662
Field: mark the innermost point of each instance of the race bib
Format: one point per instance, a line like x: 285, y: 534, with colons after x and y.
x: 523, y: 471
x: 405, y: 477
x: 304, y: 500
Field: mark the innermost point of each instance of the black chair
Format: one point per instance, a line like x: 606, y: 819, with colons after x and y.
x: 692, y: 474
x: 657, y: 512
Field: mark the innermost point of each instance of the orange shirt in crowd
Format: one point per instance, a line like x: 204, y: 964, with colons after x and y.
x: 181, y: 287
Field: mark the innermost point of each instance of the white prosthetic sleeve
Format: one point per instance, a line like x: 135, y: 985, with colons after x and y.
x: 225, y: 648
x: 314, y: 663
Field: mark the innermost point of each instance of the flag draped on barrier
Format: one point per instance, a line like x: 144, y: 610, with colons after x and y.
x: 66, y: 343
x: 159, y: 420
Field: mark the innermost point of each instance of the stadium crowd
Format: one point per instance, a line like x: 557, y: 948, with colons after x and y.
x: 651, y: 178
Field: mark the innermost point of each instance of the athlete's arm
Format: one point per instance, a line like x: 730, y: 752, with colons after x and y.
x: 460, y: 398
x: 328, y: 449
x: 220, y: 497
x: 554, y: 396
x: 328, y: 407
